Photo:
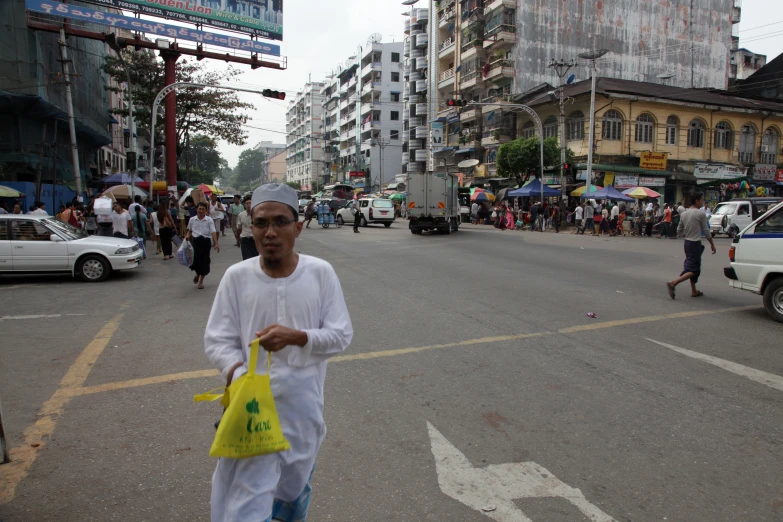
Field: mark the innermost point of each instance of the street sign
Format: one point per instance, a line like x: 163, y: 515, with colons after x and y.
x: 493, y: 489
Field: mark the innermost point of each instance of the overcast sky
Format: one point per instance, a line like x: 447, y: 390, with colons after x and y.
x: 319, y: 35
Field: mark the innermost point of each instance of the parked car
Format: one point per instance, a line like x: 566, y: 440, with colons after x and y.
x: 43, y: 244
x: 756, y: 256
x: 371, y: 210
x: 731, y: 217
x: 302, y: 204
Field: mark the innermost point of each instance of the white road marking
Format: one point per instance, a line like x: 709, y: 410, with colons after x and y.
x: 49, y: 316
x: 491, y: 490
x: 767, y: 379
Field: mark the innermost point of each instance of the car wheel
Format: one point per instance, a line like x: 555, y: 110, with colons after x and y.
x: 773, y: 299
x: 387, y: 225
x: 732, y: 233
x: 339, y: 221
x: 93, y: 269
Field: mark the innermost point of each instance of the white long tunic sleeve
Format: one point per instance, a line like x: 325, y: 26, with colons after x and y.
x: 247, y: 300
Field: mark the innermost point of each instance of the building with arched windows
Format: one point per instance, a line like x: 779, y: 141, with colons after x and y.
x: 707, y: 137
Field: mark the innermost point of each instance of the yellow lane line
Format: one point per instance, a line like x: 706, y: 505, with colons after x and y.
x: 35, y: 436
x: 133, y: 383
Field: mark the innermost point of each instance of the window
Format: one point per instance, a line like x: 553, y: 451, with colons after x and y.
x: 395, y: 96
x: 724, y: 136
x: 613, y: 126
x: 550, y: 127
x: 382, y: 203
x: 395, y: 115
x: 575, y: 128
x: 644, y: 128
x: 29, y: 230
x: 528, y: 130
x: 395, y: 77
x: 396, y: 57
x: 394, y: 135
x: 747, y: 143
x: 3, y: 232
x: 772, y: 225
x: 769, y: 147
x: 743, y: 210
x: 672, y: 122
x: 696, y: 134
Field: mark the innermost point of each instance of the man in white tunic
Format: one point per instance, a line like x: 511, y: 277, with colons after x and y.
x: 294, y: 304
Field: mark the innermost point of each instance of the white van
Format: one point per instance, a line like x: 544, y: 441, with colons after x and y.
x: 730, y: 217
x: 756, y: 257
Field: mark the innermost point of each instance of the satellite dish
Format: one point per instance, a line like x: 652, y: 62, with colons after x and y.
x: 666, y: 76
x: 593, y: 55
x: 468, y: 163
x: 374, y: 38
x: 570, y: 79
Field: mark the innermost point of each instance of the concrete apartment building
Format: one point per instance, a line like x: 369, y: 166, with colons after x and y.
x: 359, y: 126
x: 304, y: 142
x: 485, y: 51
x: 275, y: 167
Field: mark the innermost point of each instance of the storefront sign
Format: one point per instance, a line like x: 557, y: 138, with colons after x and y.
x: 626, y: 180
x: 764, y: 172
x: 480, y: 171
x: 356, y: 174
x: 608, y: 179
x: 76, y: 12
x: 651, y: 181
x: 779, y: 176
x: 582, y: 175
x: 707, y: 171
x: 653, y: 160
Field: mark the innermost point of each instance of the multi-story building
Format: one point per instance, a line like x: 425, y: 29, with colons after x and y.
x: 359, y: 128
x: 417, y: 93
x: 304, y: 143
x: 274, y: 168
x: 743, y: 63
x: 698, y: 138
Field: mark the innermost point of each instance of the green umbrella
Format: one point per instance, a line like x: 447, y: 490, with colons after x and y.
x: 396, y: 197
x: 8, y: 192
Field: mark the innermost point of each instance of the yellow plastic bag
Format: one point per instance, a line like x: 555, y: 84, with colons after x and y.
x: 250, y: 425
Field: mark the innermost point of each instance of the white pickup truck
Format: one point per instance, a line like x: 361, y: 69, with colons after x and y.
x: 756, y: 256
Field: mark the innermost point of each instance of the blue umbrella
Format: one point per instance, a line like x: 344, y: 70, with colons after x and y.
x: 122, y: 178
x: 608, y: 192
x: 533, y: 189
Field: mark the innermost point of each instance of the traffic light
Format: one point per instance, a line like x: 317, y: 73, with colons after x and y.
x: 456, y: 103
x: 269, y: 93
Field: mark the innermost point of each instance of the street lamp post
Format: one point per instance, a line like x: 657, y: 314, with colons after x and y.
x: 562, y: 67
x: 112, y: 41
x: 592, y: 56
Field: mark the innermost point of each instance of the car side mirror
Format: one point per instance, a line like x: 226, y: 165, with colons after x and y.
x: 55, y: 238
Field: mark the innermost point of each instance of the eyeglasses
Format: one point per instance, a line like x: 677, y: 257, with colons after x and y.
x: 277, y: 224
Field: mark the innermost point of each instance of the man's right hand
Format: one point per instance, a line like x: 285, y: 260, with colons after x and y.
x: 230, y: 375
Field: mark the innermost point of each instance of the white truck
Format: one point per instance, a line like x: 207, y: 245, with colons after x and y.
x: 433, y: 202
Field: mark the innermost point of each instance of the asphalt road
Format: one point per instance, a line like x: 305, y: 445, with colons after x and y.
x: 475, y: 380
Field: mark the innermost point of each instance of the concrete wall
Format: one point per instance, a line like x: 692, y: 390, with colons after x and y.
x: 646, y: 38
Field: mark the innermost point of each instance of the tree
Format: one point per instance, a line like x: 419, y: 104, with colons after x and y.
x: 521, y: 157
x: 247, y: 173
x: 199, y: 110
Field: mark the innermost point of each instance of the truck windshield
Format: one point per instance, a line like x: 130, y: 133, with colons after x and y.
x: 725, y: 210
x: 382, y: 203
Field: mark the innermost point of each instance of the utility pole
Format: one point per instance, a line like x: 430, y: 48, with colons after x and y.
x: 117, y: 45
x: 592, y: 56
x: 382, y: 143
x: 77, y: 173
x: 561, y: 67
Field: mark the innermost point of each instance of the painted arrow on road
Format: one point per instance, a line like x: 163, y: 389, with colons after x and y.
x: 492, y: 490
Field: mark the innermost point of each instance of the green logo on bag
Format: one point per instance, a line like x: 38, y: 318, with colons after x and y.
x: 252, y: 409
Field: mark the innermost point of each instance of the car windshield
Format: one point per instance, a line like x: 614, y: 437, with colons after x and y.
x: 64, y: 229
x: 773, y: 224
x: 725, y: 210
x: 382, y: 203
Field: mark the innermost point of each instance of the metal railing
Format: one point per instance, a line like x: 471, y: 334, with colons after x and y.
x: 445, y: 75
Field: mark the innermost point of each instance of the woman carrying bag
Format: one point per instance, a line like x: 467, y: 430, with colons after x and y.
x: 167, y: 229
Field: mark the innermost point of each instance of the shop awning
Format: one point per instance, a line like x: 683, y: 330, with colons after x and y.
x: 464, y: 151
x: 444, y: 149
x: 441, y: 119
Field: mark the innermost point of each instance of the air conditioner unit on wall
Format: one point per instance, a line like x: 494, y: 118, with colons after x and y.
x: 764, y: 148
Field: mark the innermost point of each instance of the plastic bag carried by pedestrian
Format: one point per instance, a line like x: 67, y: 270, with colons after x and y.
x: 250, y: 425
x: 142, y: 246
x: 185, y: 254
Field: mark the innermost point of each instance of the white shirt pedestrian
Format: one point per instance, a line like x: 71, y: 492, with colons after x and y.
x: 247, y: 301
x: 202, y: 227
x: 579, y: 213
x: 119, y: 222
x: 615, y: 211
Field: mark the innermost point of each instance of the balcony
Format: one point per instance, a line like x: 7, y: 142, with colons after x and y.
x: 374, y: 85
x: 371, y: 125
x: 471, y: 79
x: 496, y: 136
x: 469, y: 141
x: 501, y: 37
x: 446, y: 15
x: 471, y: 49
x: 500, y: 69
x: 370, y: 67
x: 469, y: 114
x: 497, y: 4
x: 446, y: 78
x: 447, y: 47
x: 352, y: 133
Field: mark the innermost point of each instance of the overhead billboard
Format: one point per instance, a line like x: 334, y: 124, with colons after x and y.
x: 75, y: 12
x: 263, y: 18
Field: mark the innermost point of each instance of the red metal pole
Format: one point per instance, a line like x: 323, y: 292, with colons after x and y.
x: 170, y: 61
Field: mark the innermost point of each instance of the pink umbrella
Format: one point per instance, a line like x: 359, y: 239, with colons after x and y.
x: 641, y: 193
